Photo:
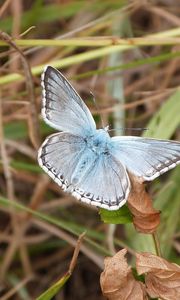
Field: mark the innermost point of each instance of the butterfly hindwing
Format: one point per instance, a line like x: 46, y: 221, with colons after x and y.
x: 106, y: 185
x: 59, y: 156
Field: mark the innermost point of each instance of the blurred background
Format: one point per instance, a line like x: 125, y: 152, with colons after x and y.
x: 135, y: 84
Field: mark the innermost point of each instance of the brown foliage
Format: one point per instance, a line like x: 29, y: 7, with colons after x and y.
x: 162, y: 277
x: 117, y: 281
x: 145, y: 218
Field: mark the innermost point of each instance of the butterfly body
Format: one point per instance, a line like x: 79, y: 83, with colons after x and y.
x: 86, y: 161
x: 100, y: 142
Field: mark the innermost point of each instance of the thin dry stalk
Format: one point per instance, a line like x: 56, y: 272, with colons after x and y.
x: 8, y: 258
x: 33, y: 120
x: 16, y: 10
x: 97, y: 259
x: 4, y: 7
x: 166, y: 15
x: 10, y: 194
x: 5, y: 159
x: 76, y: 253
x: 134, y: 104
x: 22, y: 148
x: 14, y: 290
x: 60, y: 255
x: 39, y: 192
x: 14, y: 243
x: 169, y: 75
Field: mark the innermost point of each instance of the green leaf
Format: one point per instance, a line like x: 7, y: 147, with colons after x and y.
x: 20, y: 165
x: 139, y: 241
x: 130, y: 65
x: 54, y: 289
x: 166, y: 120
x: 19, y: 129
x: 121, y: 216
x: 16, y: 130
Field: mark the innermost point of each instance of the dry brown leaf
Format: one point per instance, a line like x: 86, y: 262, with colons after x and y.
x: 162, y: 277
x: 145, y: 218
x: 117, y: 281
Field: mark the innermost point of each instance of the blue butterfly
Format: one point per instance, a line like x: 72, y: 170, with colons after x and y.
x: 86, y: 161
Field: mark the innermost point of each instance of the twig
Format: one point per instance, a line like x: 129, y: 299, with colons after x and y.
x: 33, y: 124
x: 16, y: 242
x: 27, y: 31
x: 76, y: 253
x: 22, y: 148
x: 16, y: 11
x: 18, y: 231
x: 5, y: 159
x: 39, y: 192
x: 4, y: 7
x: 14, y: 290
x: 97, y: 259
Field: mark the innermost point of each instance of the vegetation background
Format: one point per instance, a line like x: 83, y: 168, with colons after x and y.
x: 131, y: 63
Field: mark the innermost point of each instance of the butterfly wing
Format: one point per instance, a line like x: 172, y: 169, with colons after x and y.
x: 144, y: 157
x: 59, y: 156
x: 62, y: 107
x: 105, y: 185
x: 95, y: 179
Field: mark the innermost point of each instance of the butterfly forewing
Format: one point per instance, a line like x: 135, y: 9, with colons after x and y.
x: 62, y: 107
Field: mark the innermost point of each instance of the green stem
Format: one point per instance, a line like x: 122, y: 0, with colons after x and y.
x: 157, y: 244
x: 95, y: 42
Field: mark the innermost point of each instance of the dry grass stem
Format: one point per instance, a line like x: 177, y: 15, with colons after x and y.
x: 33, y: 117
x: 4, y: 7
x: 15, y: 290
x: 97, y: 259
x: 76, y: 253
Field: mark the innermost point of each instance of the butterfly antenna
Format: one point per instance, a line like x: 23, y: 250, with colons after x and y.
x: 97, y: 108
x: 127, y: 128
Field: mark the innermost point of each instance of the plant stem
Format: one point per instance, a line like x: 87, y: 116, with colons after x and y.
x: 156, y: 244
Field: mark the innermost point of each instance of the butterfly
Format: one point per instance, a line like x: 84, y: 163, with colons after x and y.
x: 86, y: 161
